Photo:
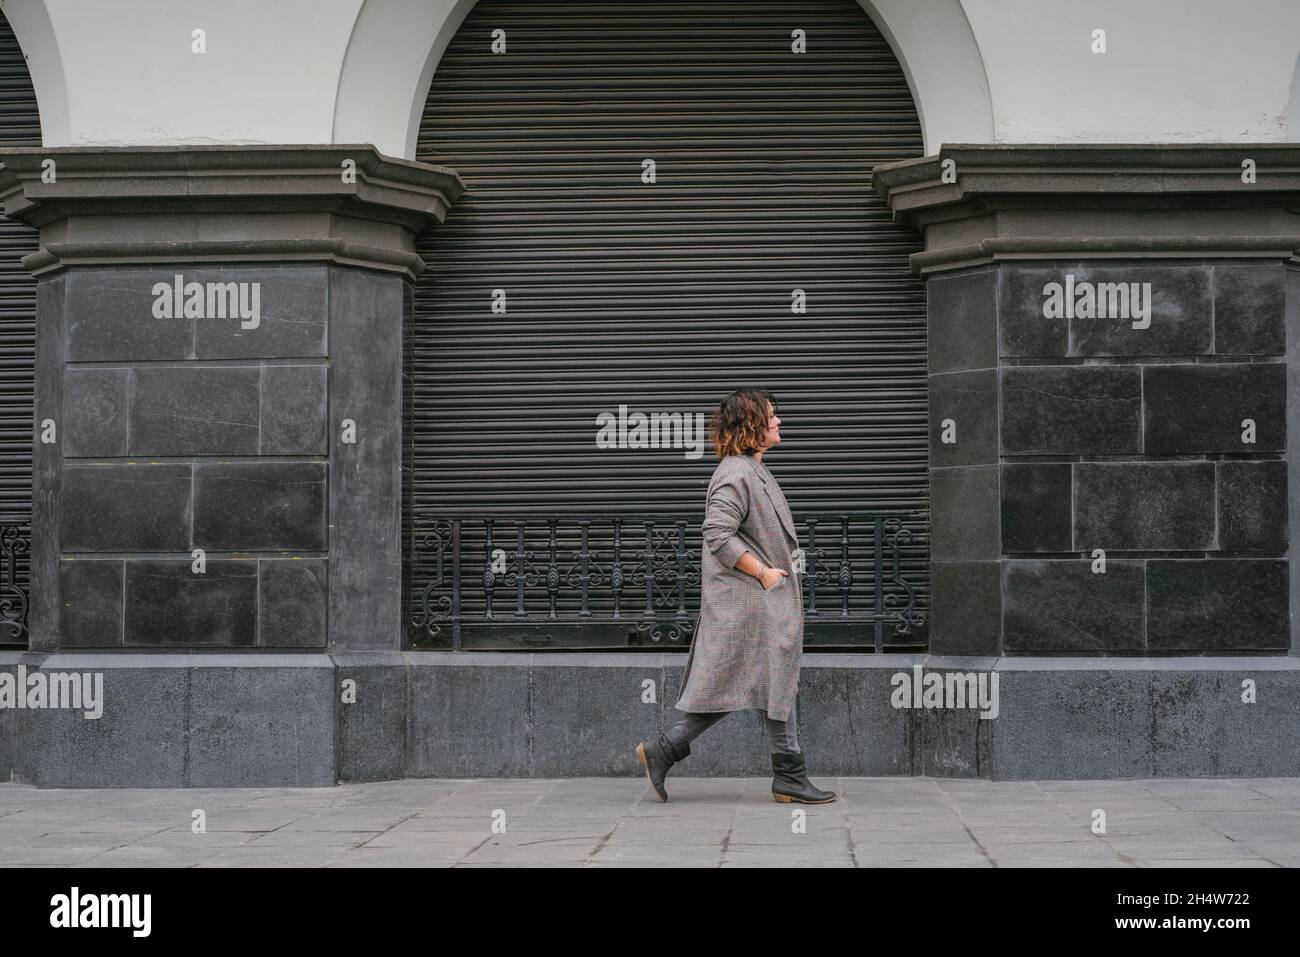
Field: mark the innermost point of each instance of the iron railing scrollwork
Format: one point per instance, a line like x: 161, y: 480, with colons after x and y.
x: 15, y: 545
x: 611, y: 580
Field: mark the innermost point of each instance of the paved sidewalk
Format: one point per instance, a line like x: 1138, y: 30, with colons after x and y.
x: 709, y: 822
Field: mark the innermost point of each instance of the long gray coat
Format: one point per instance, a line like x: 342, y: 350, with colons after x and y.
x: 749, y: 641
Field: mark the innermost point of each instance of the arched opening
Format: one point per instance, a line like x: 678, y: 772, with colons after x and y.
x: 20, y: 125
x: 571, y: 282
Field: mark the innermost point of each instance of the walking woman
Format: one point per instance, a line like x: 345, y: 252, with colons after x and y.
x: 749, y: 639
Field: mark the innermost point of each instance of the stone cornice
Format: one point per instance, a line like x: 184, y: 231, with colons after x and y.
x: 1043, y: 201
x: 55, y: 255
x: 1086, y: 176
x: 220, y: 203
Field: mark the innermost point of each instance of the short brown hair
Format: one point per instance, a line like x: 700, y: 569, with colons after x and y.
x: 739, y: 422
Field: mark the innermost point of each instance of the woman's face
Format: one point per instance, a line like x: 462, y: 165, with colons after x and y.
x: 773, y: 434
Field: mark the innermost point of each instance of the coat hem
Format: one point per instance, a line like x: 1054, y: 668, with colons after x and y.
x: 738, y: 706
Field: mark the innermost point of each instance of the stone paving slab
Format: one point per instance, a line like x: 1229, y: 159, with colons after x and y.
x: 618, y: 822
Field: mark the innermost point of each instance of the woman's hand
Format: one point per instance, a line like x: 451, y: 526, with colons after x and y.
x: 767, y: 576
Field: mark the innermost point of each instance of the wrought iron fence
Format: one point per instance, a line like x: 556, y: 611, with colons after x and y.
x: 619, y: 580
x: 15, y: 544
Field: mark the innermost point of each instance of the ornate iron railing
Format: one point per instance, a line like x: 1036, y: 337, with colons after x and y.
x: 618, y: 580
x: 15, y: 543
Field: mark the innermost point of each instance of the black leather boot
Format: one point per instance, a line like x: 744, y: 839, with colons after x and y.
x: 657, y: 756
x: 790, y: 781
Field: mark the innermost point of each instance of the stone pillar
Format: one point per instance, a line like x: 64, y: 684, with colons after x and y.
x: 214, y: 324
x: 209, y: 319
x: 218, y: 458
x: 1109, y: 354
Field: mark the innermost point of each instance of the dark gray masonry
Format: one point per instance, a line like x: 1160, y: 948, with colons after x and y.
x: 220, y: 361
x: 1110, y: 351
x: 226, y: 469
x: 1064, y: 424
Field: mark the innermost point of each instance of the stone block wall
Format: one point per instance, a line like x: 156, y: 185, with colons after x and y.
x: 183, y: 432
x: 1066, y: 418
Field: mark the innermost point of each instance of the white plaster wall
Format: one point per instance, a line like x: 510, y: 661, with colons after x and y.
x: 347, y: 71
x: 1176, y: 71
x: 270, y: 73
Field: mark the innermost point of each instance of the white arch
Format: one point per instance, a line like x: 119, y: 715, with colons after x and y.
x: 392, y: 50
x: 396, y: 45
x: 936, y: 48
x: 31, y: 25
x: 389, y: 64
x: 1293, y: 107
x: 346, y: 71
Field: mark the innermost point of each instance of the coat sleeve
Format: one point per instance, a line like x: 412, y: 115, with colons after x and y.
x: 726, y: 509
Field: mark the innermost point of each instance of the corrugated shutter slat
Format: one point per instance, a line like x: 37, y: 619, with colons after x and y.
x: 20, y: 125
x: 664, y: 297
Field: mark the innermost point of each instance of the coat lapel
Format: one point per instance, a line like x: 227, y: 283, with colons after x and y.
x: 778, y: 503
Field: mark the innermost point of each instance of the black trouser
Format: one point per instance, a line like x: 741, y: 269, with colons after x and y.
x: 783, y: 735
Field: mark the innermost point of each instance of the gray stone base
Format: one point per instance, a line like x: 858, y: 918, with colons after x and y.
x: 260, y: 720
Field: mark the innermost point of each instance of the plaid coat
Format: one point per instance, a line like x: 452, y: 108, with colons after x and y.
x: 749, y: 639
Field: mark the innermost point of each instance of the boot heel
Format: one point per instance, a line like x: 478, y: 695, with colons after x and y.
x: 658, y: 759
x: 790, y: 774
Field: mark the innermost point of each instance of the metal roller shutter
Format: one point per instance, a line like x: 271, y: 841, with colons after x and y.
x: 20, y: 125
x: 664, y: 297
